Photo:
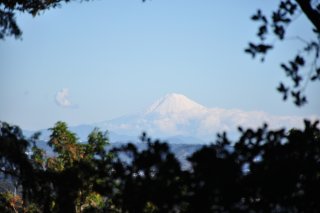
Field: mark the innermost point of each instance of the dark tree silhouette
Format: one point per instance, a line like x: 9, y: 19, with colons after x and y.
x: 263, y: 171
x: 304, y: 67
x: 152, y: 181
x: 63, y: 182
x: 9, y: 8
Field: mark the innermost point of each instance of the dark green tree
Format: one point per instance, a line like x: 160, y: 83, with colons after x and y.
x: 150, y: 180
x: 63, y: 182
x: 263, y: 171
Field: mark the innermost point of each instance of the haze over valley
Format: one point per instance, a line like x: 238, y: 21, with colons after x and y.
x: 178, y: 119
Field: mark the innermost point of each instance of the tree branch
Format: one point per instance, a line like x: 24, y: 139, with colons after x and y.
x: 312, y: 14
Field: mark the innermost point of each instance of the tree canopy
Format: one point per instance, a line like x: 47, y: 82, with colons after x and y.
x: 263, y: 171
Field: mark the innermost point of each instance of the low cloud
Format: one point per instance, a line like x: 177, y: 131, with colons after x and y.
x: 62, y: 98
x: 177, y: 115
x: 204, y: 124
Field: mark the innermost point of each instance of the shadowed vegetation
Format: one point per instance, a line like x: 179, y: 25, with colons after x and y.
x: 263, y: 171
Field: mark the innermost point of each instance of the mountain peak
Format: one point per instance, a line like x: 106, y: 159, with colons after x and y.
x: 174, y: 103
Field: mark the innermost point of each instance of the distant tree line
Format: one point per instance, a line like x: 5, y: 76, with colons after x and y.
x: 264, y: 171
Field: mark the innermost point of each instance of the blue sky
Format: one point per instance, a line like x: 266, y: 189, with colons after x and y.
x: 116, y: 57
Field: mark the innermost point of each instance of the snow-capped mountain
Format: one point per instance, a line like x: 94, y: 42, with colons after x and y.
x: 177, y: 119
x: 176, y: 115
x: 172, y: 115
x: 174, y: 103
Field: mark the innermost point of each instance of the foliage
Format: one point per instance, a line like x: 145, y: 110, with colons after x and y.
x: 63, y: 182
x: 264, y: 171
x: 8, y: 9
x: 304, y: 67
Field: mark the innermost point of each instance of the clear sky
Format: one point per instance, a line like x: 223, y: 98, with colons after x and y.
x: 93, y: 61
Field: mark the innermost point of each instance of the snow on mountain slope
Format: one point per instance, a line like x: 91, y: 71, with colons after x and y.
x: 178, y: 119
x: 176, y: 115
x: 174, y: 103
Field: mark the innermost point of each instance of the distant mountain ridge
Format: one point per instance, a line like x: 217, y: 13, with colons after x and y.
x: 175, y: 115
x: 178, y: 119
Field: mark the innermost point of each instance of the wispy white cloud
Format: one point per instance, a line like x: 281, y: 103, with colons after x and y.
x: 203, y: 125
x: 62, y: 98
x: 176, y: 115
